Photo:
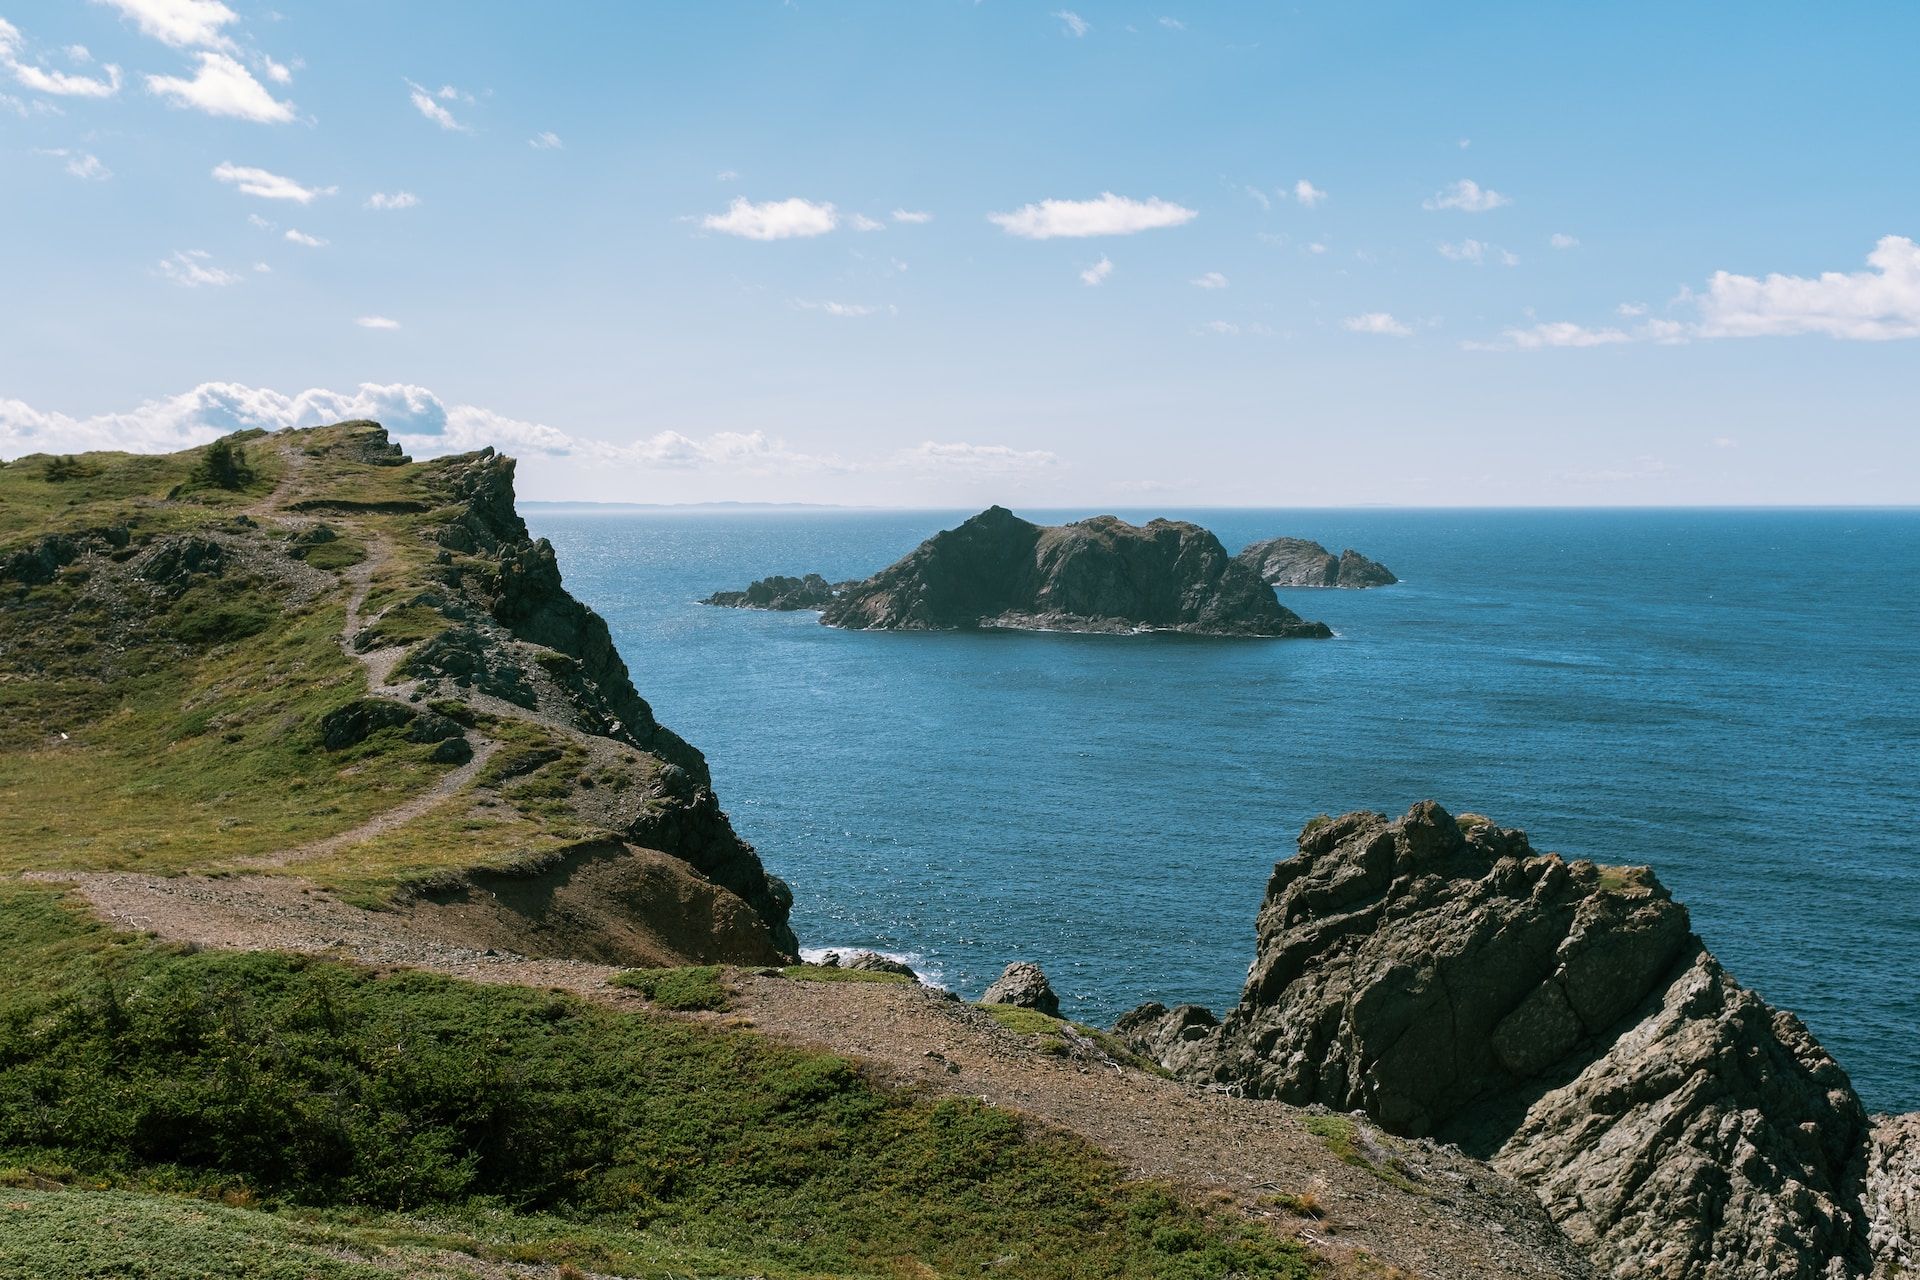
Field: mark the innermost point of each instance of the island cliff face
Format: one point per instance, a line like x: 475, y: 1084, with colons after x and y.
x: 1296, y: 562
x: 1561, y: 1020
x: 1102, y: 574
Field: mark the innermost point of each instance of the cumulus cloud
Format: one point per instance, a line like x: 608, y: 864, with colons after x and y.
x: 1561, y: 240
x: 911, y: 216
x: 1467, y: 196
x: 1878, y: 304
x: 547, y: 140
x: 428, y: 104
x: 268, y: 186
x: 1098, y: 272
x: 377, y: 322
x: 80, y: 164
x: 1308, y: 194
x: 300, y: 237
x: 184, y: 24
x: 222, y: 87
x: 191, y: 268
x: 773, y: 219
x: 1377, y: 322
x: 41, y: 80
x: 1211, y: 280
x: 1110, y: 215
x: 395, y: 200
x: 1072, y: 23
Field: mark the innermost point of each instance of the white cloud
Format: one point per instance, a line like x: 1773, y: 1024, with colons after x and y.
x: 377, y: 322
x: 912, y: 216
x: 1098, y: 272
x: 1878, y: 304
x: 41, y: 80
x: 396, y: 200
x: 1467, y: 196
x: 191, y: 268
x: 1173, y: 24
x: 1211, y: 280
x: 1110, y: 215
x: 268, y: 186
x: 263, y: 269
x: 1631, y: 309
x: 254, y: 219
x: 861, y: 222
x: 1317, y: 247
x: 958, y: 455
x: 1072, y: 23
x: 843, y: 310
x: 727, y: 175
x: 1561, y: 240
x: 1377, y: 322
x: 301, y: 237
x: 1562, y: 333
x: 774, y: 219
x: 1259, y: 197
x: 1224, y: 328
x: 1478, y: 253
x: 222, y: 87
x: 1307, y: 194
x: 275, y: 72
x: 426, y: 102
x: 1725, y: 442
x: 546, y: 141
x: 80, y: 164
x: 184, y: 24
x: 79, y: 53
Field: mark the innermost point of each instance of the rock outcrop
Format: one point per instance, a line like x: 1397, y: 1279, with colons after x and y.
x: 1102, y: 574
x: 1023, y: 985
x: 1296, y: 562
x: 1561, y: 1020
x: 1893, y: 1195
x: 779, y: 594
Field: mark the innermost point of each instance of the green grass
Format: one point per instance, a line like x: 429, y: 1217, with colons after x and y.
x: 522, y: 1125
x: 1026, y: 1022
x: 830, y: 973
x: 699, y: 987
x: 1343, y: 1138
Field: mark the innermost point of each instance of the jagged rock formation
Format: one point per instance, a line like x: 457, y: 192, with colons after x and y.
x: 1023, y: 985
x: 1102, y: 574
x: 1296, y: 562
x: 1561, y: 1020
x: 1893, y: 1195
x: 778, y: 593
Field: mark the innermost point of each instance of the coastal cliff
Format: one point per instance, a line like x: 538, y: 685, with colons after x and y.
x: 1102, y: 574
x: 1561, y: 1020
x: 1296, y: 562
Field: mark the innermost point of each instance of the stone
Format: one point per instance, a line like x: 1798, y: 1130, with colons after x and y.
x: 1025, y: 986
x: 779, y: 594
x: 874, y: 962
x: 1297, y: 562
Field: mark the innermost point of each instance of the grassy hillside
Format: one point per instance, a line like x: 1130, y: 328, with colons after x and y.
x: 301, y: 1117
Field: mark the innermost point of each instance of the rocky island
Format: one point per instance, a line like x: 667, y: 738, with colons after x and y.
x: 778, y: 594
x: 1296, y: 562
x: 999, y: 572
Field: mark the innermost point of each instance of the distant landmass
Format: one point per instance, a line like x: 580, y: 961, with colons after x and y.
x: 999, y: 572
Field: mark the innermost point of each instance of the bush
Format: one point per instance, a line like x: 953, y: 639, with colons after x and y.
x: 680, y: 990
x: 223, y: 465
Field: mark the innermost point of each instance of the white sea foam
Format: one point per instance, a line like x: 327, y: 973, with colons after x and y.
x: 930, y: 974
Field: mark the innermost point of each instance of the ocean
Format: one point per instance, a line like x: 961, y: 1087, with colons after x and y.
x: 1731, y: 696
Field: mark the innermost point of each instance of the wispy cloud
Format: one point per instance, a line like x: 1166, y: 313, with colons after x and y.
x: 546, y: 141
x: 1259, y: 197
x: 1072, y: 23
x: 1307, y: 194
x: 192, y: 268
x: 300, y: 237
x: 81, y: 164
x: 377, y: 322
x: 773, y: 219
x: 1110, y: 215
x: 1561, y: 240
x: 268, y: 186
x: 1097, y: 273
x: 1173, y: 24
x: 844, y: 310
x: 183, y: 24
x: 57, y: 83
x: 1467, y: 196
x: 1211, y: 280
x: 1478, y: 253
x: 1381, y: 323
x: 222, y: 87
x: 861, y: 222
x: 394, y: 200
x: 959, y: 455
x: 429, y: 104
x: 1561, y: 333
x: 911, y: 216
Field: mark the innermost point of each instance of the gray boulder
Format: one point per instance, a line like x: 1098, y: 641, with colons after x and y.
x: 1297, y: 562
x: 1023, y: 985
x: 874, y: 962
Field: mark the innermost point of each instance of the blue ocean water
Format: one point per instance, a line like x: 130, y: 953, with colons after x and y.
x: 1731, y: 696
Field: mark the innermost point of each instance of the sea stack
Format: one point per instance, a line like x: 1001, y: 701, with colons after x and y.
x: 1296, y: 562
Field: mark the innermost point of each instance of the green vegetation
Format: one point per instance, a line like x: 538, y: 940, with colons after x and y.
x: 1344, y: 1138
x: 832, y: 973
x: 324, y: 1106
x: 699, y: 987
x: 1025, y: 1022
x: 223, y: 465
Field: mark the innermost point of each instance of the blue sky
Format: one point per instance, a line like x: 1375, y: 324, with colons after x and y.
x: 1543, y: 253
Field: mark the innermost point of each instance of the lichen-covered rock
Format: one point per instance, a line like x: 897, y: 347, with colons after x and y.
x: 1179, y: 1038
x: 1102, y: 574
x: 1560, y: 1019
x: 874, y: 962
x: 1893, y: 1195
x: 1297, y: 562
x: 779, y: 594
x: 1025, y: 986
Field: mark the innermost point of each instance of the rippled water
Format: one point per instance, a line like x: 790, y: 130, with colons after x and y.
x: 1733, y: 697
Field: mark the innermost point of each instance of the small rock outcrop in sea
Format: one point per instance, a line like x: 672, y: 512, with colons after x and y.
x: 1296, y: 562
x: 778, y: 593
x: 1023, y: 985
x: 1561, y: 1020
x: 1101, y: 574
x: 874, y: 962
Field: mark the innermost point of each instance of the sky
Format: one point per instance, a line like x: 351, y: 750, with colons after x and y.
x: 945, y: 253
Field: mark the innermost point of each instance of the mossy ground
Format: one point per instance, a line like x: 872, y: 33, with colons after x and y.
x: 215, y: 1099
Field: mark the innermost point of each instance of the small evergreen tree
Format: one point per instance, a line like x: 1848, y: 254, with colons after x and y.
x: 223, y: 464
x: 65, y: 467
